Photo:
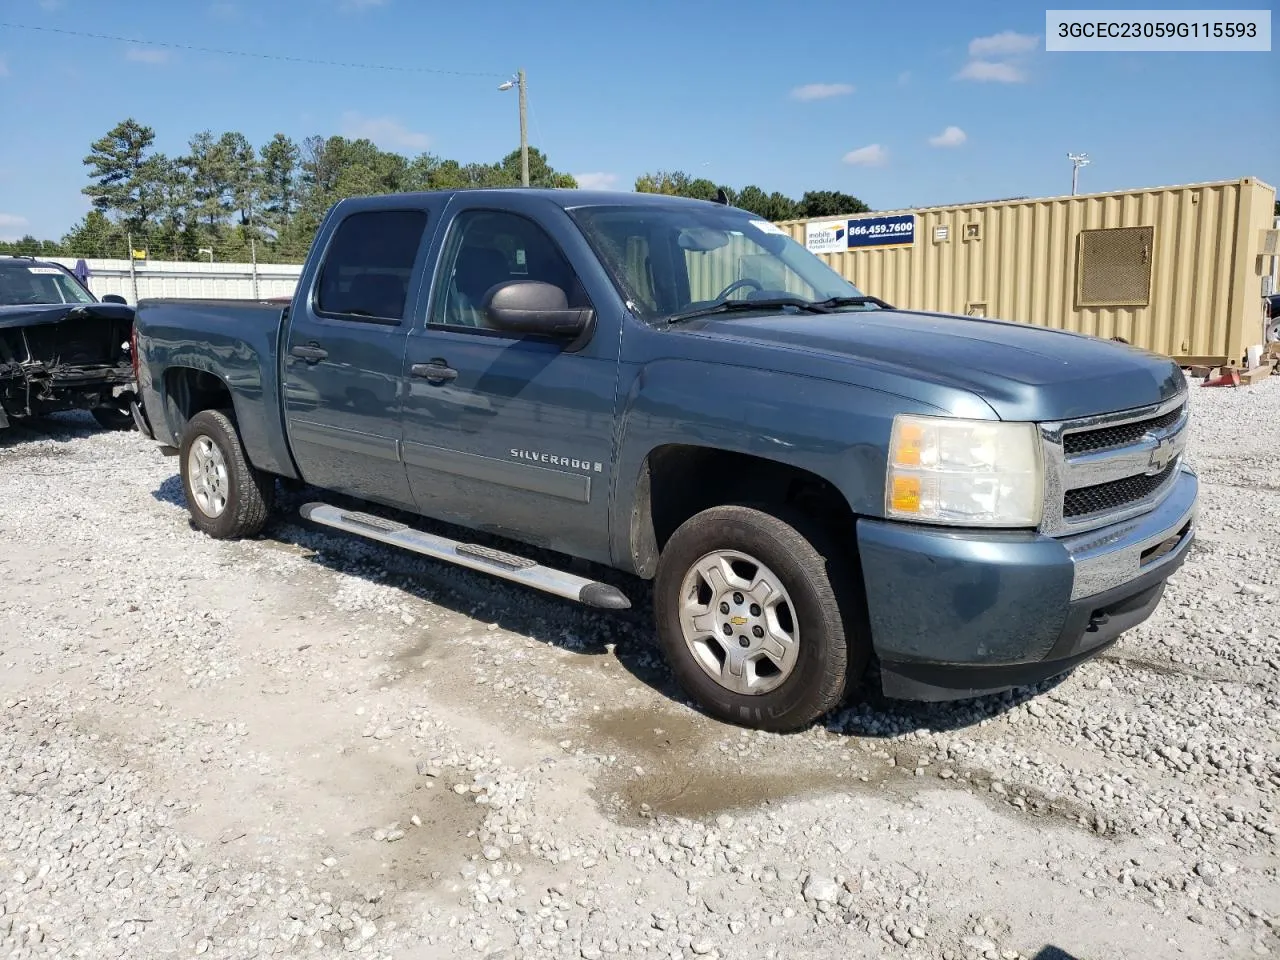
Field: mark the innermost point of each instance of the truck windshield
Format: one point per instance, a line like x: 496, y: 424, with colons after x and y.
x: 23, y: 283
x: 674, y: 262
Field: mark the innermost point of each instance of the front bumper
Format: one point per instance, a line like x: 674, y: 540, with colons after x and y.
x: 961, y: 614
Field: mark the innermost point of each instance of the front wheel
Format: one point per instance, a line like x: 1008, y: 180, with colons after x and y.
x: 226, y: 495
x: 758, y: 617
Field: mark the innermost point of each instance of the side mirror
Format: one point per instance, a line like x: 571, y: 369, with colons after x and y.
x: 530, y: 306
x: 114, y: 298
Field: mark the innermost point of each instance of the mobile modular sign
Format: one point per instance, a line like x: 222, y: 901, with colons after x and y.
x: 834, y: 236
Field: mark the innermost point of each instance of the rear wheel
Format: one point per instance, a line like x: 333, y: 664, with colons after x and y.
x: 759, y: 616
x: 226, y: 495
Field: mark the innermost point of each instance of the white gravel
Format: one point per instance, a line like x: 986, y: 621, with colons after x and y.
x: 309, y: 745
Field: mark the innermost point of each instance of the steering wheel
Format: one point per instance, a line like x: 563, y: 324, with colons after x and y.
x: 737, y: 284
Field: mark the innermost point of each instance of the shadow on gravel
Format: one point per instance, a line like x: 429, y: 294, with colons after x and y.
x: 60, y: 428
x: 171, y: 492
x: 1054, y: 953
x: 627, y: 635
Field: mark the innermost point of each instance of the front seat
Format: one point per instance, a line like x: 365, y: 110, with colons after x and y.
x: 478, y: 270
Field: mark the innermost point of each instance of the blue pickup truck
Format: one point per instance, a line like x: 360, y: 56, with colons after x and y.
x: 676, y: 389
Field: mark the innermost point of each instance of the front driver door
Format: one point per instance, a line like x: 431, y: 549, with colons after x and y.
x: 345, y: 353
x: 513, y: 435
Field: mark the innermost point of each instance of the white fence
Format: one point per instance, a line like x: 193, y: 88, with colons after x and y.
x: 144, y: 279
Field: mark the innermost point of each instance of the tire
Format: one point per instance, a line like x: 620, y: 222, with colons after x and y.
x: 227, y: 497
x: 114, y: 417
x: 821, y: 602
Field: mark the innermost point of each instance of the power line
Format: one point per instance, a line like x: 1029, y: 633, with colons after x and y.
x: 245, y: 53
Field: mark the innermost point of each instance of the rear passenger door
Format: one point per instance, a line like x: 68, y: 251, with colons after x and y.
x: 344, y: 355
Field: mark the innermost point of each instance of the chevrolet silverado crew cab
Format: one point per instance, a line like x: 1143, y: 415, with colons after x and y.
x: 676, y: 389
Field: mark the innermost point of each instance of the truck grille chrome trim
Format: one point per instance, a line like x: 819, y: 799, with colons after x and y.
x: 1106, y: 469
x: 1108, y: 558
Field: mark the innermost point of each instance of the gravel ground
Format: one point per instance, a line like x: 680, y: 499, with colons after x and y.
x: 306, y: 745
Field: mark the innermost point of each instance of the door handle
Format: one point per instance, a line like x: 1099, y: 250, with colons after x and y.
x: 311, y: 352
x: 437, y: 371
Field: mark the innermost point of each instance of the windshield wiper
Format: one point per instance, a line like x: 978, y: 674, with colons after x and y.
x: 832, y: 302
x: 731, y: 306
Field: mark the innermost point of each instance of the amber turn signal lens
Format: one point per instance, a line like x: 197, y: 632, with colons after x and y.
x: 910, y: 440
x: 906, y: 494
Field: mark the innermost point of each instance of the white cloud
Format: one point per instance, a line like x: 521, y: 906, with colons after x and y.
x: 821, y: 91
x: 1001, y: 45
x: 989, y: 71
x: 147, y: 55
x: 12, y: 226
x: 999, y: 58
x: 386, y: 132
x: 50, y: 5
x: 950, y: 137
x: 904, y: 78
x: 597, y: 181
x: 872, y: 155
x: 362, y: 4
x: 224, y: 11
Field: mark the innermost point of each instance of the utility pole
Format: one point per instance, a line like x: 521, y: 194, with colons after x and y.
x: 1078, y: 160
x: 253, y: 248
x: 524, y: 131
x: 519, y: 81
x: 133, y: 270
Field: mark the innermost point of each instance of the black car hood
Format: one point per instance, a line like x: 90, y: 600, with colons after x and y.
x: 34, y: 314
x: 1022, y: 372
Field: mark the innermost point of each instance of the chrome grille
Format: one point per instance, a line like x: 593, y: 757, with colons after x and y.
x: 1109, y: 438
x: 1101, y: 470
x: 1113, y: 495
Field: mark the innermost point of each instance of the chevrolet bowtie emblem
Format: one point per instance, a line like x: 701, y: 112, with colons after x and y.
x: 1161, y: 456
x: 737, y: 621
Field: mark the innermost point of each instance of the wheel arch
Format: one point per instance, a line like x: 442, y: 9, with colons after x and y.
x: 187, y: 391
x: 677, y: 481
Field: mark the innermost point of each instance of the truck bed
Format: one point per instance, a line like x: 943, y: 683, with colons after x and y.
x: 234, y: 343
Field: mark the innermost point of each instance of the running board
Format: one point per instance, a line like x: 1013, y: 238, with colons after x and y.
x: 498, y: 563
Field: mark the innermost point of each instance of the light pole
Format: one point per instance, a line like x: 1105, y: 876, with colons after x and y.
x: 207, y: 250
x: 519, y: 81
x: 1078, y: 160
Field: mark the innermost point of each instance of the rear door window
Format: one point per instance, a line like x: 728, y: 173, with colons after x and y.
x: 368, y: 267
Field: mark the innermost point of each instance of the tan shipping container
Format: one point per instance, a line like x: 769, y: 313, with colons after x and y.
x: 1178, y: 270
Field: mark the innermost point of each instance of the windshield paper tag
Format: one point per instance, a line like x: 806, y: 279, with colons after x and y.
x: 764, y: 226
x: 44, y: 270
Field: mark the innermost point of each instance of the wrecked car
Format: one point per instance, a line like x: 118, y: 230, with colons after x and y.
x: 60, y: 347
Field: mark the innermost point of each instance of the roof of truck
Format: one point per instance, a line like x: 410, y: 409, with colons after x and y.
x: 561, y: 197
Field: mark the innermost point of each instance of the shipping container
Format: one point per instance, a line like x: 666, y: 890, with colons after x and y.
x: 1179, y: 270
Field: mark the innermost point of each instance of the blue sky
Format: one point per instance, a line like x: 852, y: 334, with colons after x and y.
x: 901, y: 104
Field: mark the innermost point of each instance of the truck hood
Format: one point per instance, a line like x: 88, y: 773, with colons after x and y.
x: 34, y: 314
x: 1022, y: 372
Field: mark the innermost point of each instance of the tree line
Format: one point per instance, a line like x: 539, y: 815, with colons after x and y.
x: 226, y: 199
x: 773, y: 206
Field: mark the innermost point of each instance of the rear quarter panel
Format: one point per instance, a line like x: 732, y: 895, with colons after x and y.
x: 237, y: 342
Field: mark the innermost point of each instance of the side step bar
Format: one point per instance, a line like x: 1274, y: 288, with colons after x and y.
x: 508, y: 566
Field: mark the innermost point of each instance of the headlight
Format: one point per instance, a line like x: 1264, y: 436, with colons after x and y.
x: 980, y: 473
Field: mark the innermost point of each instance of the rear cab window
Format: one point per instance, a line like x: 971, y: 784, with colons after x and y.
x: 368, y: 267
